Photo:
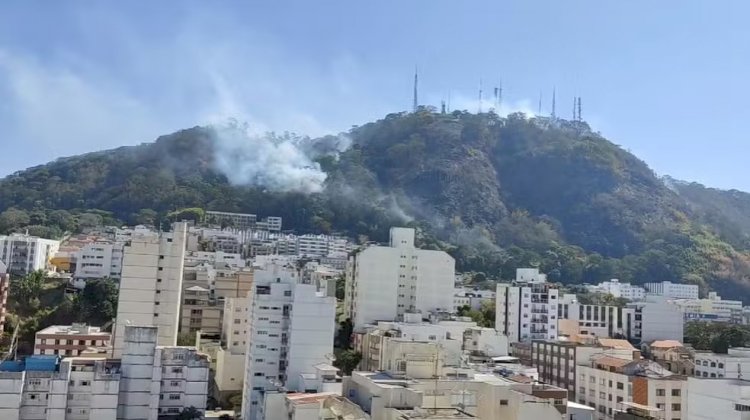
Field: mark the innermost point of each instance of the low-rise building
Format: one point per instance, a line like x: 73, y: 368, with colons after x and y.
x: 69, y: 340
x: 670, y: 290
x: 99, y: 259
x: 472, y: 298
x: 619, y: 290
x: 486, y: 342
x: 713, y: 308
x: 597, y: 320
x: 673, y: 356
x: 656, y: 321
x: 718, y: 365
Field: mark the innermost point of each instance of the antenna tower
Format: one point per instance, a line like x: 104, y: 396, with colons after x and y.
x: 416, y: 84
x: 539, y: 112
x: 480, y: 95
x: 579, y: 109
x: 500, y: 96
x: 442, y: 107
x: 575, y: 103
x: 553, y: 102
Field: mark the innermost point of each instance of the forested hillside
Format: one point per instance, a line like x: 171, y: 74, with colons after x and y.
x: 498, y: 193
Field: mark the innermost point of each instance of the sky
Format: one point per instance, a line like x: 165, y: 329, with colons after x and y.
x: 667, y: 80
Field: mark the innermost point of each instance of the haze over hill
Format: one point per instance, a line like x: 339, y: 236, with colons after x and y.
x: 498, y: 193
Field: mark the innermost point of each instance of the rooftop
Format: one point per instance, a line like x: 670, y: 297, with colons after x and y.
x: 665, y: 344
x: 610, y: 361
x: 75, y: 329
x: 615, y: 343
x: 302, y: 398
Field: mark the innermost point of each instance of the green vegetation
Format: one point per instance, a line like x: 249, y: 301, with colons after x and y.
x: 484, y: 317
x: 496, y: 193
x: 347, y: 361
x: 35, y: 303
x: 717, y: 337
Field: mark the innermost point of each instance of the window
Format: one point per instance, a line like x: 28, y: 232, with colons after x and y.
x: 174, y: 383
x: 287, y: 292
x: 237, y: 321
x: 602, y: 395
x: 174, y: 396
x: 713, y: 364
x: 176, y: 370
x: 676, y: 407
x: 721, y: 365
x: 675, y: 392
x: 85, y: 383
x: 610, y: 384
x: 620, y: 385
x: 660, y: 392
x: 503, y: 402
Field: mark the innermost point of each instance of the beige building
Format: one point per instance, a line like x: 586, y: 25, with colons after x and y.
x: 206, y: 286
x: 151, y: 284
x: 230, y: 357
x: 69, y: 340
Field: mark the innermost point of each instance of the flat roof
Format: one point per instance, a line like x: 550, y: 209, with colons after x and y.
x: 301, y: 398
x: 573, y: 404
x: 71, y: 330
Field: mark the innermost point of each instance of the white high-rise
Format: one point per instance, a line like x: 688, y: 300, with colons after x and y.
x: 291, y: 331
x: 527, y: 309
x: 98, y: 260
x: 384, y: 282
x: 151, y: 284
x: 23, y: 254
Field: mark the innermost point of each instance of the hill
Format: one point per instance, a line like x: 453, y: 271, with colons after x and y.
x: 497, y: 193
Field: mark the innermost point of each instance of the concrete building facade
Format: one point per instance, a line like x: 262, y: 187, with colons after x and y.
x: 23, y: 254
x: 384, y: 282
x: 100, y: 259
x: 151, y: 284
x: 671, y: 290
x: 69, y: 340
x: 598, y: 320
x: 527, y: 309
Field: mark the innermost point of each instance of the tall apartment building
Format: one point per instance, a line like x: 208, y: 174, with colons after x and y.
x: 98, y: 260
x: 23, y: 254
x: 4, y: 290
x: 231, y: 356
x: 312, y: 245
x: 671, y: 290
x: 527, y: 309
x: 619, y: 290
x: 384, y: 282
x: 69, y: 340
x: 597, y: 320
x: 159, y: 380
x: 291, y: 331
x: 151, y: 284
x: 149, y: 382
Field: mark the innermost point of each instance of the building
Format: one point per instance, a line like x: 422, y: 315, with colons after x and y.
x: 382, y: 395
x: 239, y: 221
x: 673, y: 356
x: 69, y: 340
x: 206, y: 286
x: 486, y: 342
x: 606, y: 382
x: 151, y: 284
x: 147, y: 383
x: 23, y: 254
x: 97, y: 260
x: 656, y: 321
x: 619, y: 290
x: 527, y: 309
x: 311, y: 245
x: 384, y: 282
x: 474, y: 299
x: 159, y: 380
x: 713, y: 308
x: 556, y: 360
x: 597, y: 320
x: 717, y: 365
x: 671, y: 290
x: 725, y: 399
x: 230, y: 357
x: 4, y: 290
x: 291, y: 331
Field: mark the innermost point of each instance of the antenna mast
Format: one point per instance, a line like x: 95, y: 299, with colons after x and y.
x: 539, y: 112
x: 480, y: 95
x: 500, y: 96
x: 579, y: 109
x: 553, y: 102
x: 416, y: 84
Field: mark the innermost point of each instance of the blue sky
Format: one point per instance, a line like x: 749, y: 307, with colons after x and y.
x: 667, y: 80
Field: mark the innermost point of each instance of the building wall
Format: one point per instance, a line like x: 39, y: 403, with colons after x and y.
x: 23, y: 254
x: 724, y: 399
x: 673, y: 290
x: 602, y: 390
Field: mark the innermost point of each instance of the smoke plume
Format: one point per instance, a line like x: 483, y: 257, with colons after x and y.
x: 266, y: 161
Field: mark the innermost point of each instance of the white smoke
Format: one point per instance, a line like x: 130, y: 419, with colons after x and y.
x: 270, y: 162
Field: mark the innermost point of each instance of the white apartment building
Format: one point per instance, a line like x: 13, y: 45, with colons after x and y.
x: 98, y: 260
x: 724, y: 399
x: 726, y: 366
x: 714, y: 308
x: 23, y: 254
x: 527, y: 309
x: 240, y: 221
x: 69, y: 340
x: 671, y: 290
x: 384, y: 282
x: 151, y: 284
x: 312, y: 245
x: 597, y: 320
x: 485, y: 341
x: 291, y: 331
x: 148, y: 382
x: 619, y: 290
x: 657, y: 321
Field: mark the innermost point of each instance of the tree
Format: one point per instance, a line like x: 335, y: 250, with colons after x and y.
x: 89, y: 221
x: 347, y: 361
x: 145, y: 217
x: 340, y: 287
x: 195, y: 214
x: 97, y: 303
x: 29, y: 287
x: 190, y: 413
x: 186, y: 339
x: 344, y: 337
x: 12, y: 219
x: 63, y: 220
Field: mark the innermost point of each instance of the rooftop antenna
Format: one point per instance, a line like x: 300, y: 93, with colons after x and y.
x: 480, y: 95
x: 442, y: 106
x: 539, y: 112
x: 416, y: 84
x: 449, y: 101
x: 500, y: 95
x: 553, y: 102
x: 575, y: 104
x: 579, y: 109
